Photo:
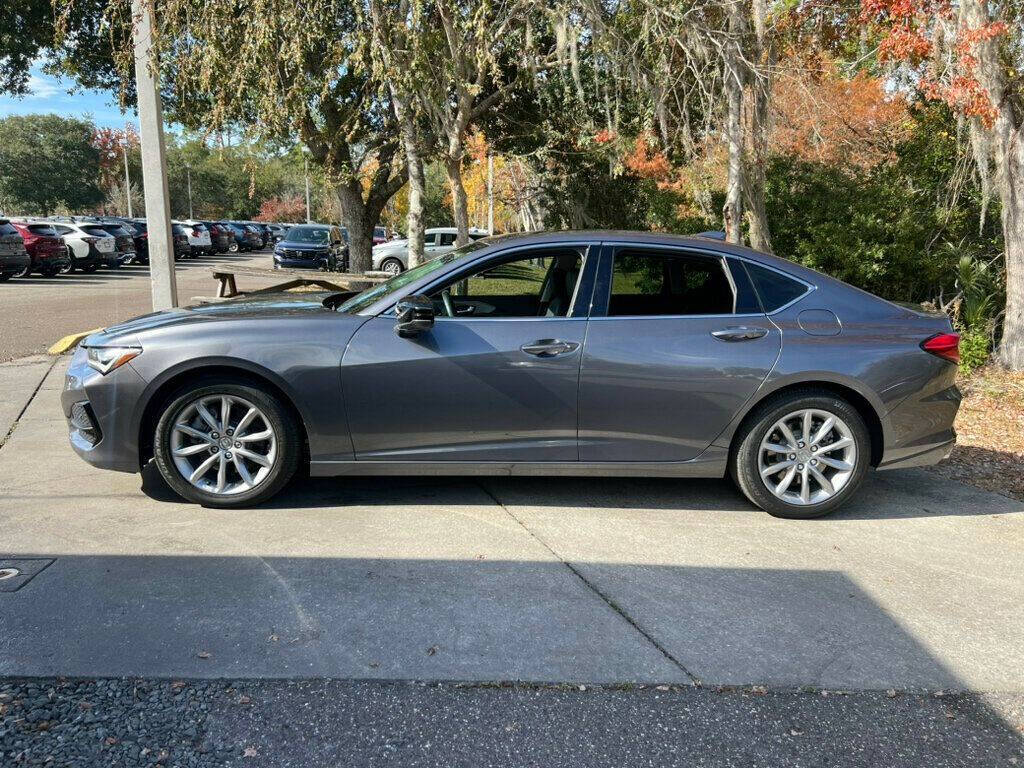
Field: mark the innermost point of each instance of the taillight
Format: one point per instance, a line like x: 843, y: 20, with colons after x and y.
x: 90, y: 240
x: 196, y: 233
x: 944, y: 345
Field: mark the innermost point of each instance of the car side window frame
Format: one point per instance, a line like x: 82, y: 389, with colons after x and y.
x: 602, y: 290
x: 579, y: 306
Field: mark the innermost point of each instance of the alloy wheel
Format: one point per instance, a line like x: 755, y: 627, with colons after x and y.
x: 223, y: 444
x: 807, y: 457
x: 392, y: 267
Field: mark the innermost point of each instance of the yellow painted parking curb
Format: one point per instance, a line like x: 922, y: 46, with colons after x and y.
x: 68, y: 342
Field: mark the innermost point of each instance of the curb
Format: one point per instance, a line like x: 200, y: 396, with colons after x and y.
x: 63, y: 345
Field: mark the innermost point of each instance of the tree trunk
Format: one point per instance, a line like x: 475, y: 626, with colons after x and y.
x: 460, y: 203
x: 417, y: 188
x: 359, y: 220
x: 758, y: 95
x: 1008, y: 150
x: 732, y: 211
x: 1010, y: 170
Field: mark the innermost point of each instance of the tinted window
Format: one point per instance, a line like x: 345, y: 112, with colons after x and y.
x: 775, y: 289
x: 6, y: 228
x: 430, y: 238
x: 96, y: 231
x: 657, y: 283
x: 541, y: 285
x: 42, y: 229
x: 446, y: 238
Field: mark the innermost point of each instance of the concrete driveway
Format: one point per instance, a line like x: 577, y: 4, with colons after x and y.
x: 916, y: 585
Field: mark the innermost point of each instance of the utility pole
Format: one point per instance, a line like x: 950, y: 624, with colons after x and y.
x: 309, y: 218
x: 154, y: 162
x: 127, y: 180
x: 188, y: 176
x: 490, y: 194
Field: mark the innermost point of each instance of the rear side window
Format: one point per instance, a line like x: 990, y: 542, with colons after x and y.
x: 447, y: 238
x: 775, y: 289
x: 6, y: 228
x: 42, y: 229
x: 96, y: 231
x: 652, y: 283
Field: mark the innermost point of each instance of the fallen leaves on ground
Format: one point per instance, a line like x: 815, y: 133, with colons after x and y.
x: 989, y: 452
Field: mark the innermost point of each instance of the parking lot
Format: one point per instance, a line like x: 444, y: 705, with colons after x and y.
x: 627, y: 585
x: 36, y: 311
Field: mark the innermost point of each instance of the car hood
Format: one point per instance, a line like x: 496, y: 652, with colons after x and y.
x: 396, y: 245
x: 264, y: 306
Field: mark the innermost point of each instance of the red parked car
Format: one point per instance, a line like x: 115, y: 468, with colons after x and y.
x: 46, y: 249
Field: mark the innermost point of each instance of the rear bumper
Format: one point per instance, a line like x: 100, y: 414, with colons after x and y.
x: 11, y: 264
x: 920, y: 429
x: 923, y: 456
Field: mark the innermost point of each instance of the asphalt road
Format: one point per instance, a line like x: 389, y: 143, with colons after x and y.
x: 36, y: 311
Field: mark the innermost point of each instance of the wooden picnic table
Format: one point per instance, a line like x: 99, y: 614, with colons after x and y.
x: 330, y: 281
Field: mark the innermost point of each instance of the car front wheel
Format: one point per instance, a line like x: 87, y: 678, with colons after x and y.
x: 225, y: 444
x: 802, y: 454
x: 392, y: 266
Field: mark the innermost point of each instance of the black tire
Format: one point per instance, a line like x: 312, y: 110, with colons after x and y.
x: 50, y: 272
x: 5, y: 276
x: 744, y: 459
x: 278, y: 418
x: 395, y: 262
x: 24, y: 272
x: 90, y: 268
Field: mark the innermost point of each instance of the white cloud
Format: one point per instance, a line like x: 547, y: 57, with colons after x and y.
x: 43, y: 87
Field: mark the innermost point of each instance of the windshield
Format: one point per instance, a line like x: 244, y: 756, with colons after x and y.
x: 96, y: 231
x: 307, y: 235
x: 362, y: 300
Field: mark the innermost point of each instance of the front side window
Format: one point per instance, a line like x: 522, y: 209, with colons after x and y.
x: 539, y: 285
x: 653, y: 283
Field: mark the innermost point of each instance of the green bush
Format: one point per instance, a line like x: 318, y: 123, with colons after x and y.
x: 975, y: 346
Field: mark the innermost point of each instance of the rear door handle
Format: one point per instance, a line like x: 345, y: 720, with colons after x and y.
x: 549, y: 347
x: 739, y: 333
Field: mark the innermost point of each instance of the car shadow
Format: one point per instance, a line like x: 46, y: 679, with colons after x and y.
x: 895, y: 494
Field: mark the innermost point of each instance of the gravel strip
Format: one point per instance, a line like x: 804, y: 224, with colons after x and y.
x: 49, y: 722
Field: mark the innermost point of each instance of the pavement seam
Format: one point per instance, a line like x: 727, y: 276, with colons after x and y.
x: 35, y: 391
x: 696, y: 681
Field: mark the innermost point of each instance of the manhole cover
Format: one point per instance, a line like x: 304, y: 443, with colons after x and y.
x: 8, y: 573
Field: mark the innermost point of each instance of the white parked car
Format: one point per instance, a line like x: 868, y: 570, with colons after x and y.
x: 198, y: 236
x: 393, y: 256
x: 89, y: 245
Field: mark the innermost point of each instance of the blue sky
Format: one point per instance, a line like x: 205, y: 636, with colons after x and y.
x: 50, y: 94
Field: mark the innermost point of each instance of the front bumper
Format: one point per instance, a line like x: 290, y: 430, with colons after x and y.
x: 320, y: 263
x: 100, y: 411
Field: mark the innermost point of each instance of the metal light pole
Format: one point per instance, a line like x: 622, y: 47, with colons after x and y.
x: 127, y: 180
x: 188, y: 176
x: 309, y: 217
x: 154, y: 162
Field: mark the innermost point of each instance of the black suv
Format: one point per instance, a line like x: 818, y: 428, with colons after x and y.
x: 312, y: 246
x: 14, y: 259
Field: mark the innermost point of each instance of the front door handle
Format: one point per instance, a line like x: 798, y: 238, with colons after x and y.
x: 739, y: 333
x: 549, y: 347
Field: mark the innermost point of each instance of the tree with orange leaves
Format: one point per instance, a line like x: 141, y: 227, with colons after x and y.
x: 971, y: 56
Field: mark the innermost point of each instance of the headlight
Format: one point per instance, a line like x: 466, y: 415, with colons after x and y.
x: 106, y: 359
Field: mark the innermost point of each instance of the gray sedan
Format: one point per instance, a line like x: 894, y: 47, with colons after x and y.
x: 574, y: 353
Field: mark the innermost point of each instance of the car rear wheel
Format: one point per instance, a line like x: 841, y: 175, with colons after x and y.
x: 5, y: 276
x: 802, y: 454
x: 225, y: 444
x: 233, y: 248
x: 24, y: 272
x: 392, y: 266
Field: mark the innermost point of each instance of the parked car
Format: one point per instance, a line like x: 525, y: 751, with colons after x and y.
x: 582, y: 353
x: 393, y: 256
x: 380, y: 235
x: 277, y: 232
x: 124, y: 239
x: 312, y: 246
x: 263, y: 230
x: 89, y: 245
x: 14, y: 258
x: 244, y: 239
x: 182, y: 247
x: 141, y: 240
x: 45, y: 249
x: 220, y: 236
x: 257, y: 237
x: 198, y: 237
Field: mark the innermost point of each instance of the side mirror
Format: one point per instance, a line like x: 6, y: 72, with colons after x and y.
x: 415, y: 315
